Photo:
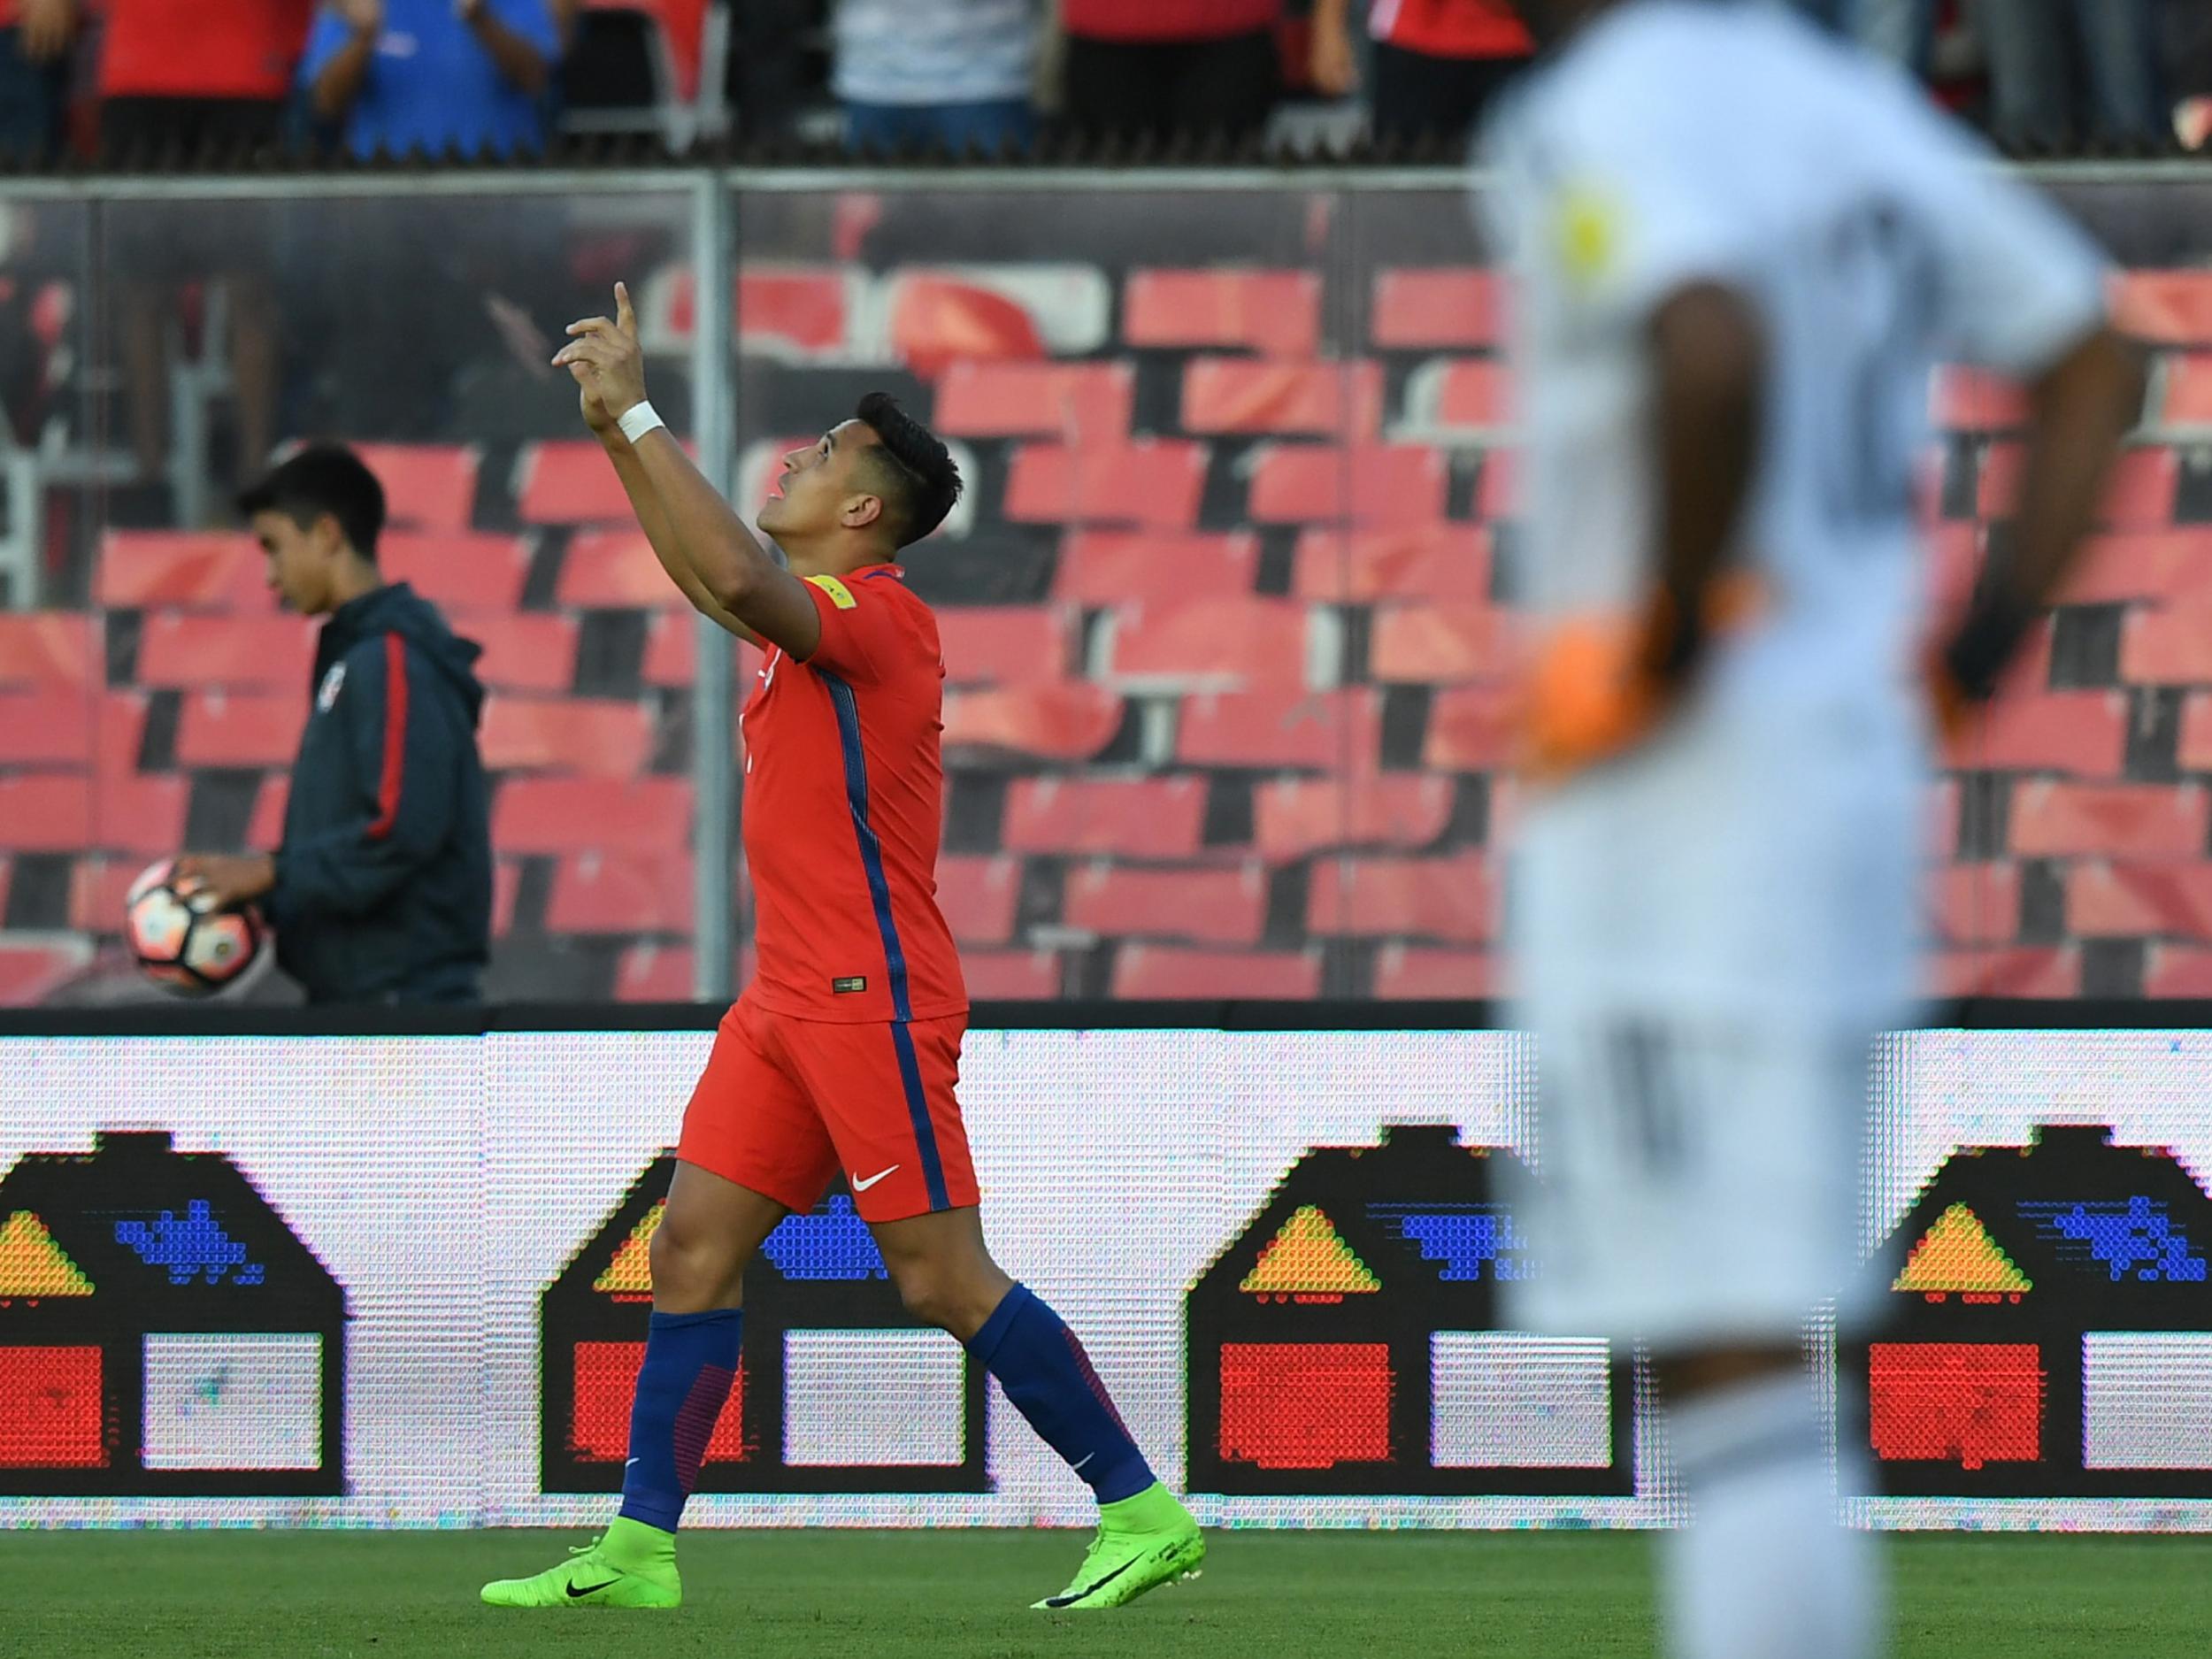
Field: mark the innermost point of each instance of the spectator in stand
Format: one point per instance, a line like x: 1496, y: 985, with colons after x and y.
x: 1902, y: 31
x: 1156, y: 68
x: 35, y: 40
x: 1437, y: 63
x: 426, y: 74
x: 2068, y: 73
x: 927, y: 75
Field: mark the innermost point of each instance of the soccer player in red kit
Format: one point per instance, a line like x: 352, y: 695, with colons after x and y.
x: 845, y: 1049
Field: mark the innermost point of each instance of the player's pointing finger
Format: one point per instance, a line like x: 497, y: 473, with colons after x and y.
x: 625, y: 313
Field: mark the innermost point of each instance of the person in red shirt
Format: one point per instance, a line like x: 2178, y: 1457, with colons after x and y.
x: 844, y: 1051
x: 1156, y: 69
x: 1437, y: 63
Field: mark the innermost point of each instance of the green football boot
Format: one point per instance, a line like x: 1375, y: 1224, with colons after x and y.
x: 628, y: 1566
x: 1141, y: 1543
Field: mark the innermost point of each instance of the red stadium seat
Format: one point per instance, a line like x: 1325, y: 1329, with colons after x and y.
x: 2040, y: 971
x: 32, y: 969
x: 142, y: 815
x: 186, y: 569
x: 1442, y: 644
x: 1227, y: 906
x: 2127, y: 901
x: 2167, y: 308
x: 604, y: 738
x: 1461, y: 398
x: 2187, y: 402
x: 1447, y: 306
x: 2162, y: 646
x: 569, y: 480
x: 1003, y: 645
x: 1967, y: 399
x: 2140, y: 495
x: 1429, y: 973
x: 2195, y: 749
x: 2112, y: 820
x: 570, y: 815
x: 1448, y: 899
x: 52, y: 650
x: 524, y: 652
x: 43, y: 812
x: 7, y: 869
x: 978, y: 896
x: 1071, y: 721
x: 796, y: 312
x: 48, y: 728
x: 1472, y: 728
x: 622, y: 893
x: 2084, y: 732
x: 616, y: 569
x: 1243, y: 395
x: 1434, y: 561
x: 671, y: 651
x: 1385, y: 484
x: 266, y: 828
x: 231, y: 728
x: 1941, y: 841
x: 1111, y: 567
x: 1011, y: 976
x: 1296, y: 817
x: 458, y: 570
x: 1974, y: 904
x: 1162, y: 973
x: 1129, y: 817
x: 936, y: 322
x: 1276, y: 313
x: 1498, y: 491
x: 97, y: 888
x: 1213, y: 641
x: 2177, y: 970
x: 266, y: 653
x: 1153, y: 481
x: 2171, y: 565
x: 427, y: 486
x: 1077, y: 403
x: 1280, y: 728
x: 662, y: 973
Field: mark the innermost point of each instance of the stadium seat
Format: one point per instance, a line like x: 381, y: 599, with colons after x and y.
x: 232, y: 728
x: 2140, y: 497
x: 2050, y: 818
x: 622, y: 893
x: 2162, y: 646
x: 1384, y: 484
x: 1941, y: 839
x: 249, y: 653
x: 2129, y: 901
x: 1077, y: 403
x: 458, y: 570
x: 1152, y: 481
x: 2166, y: 308
x: 2033, y: 972
x: 2176, y: 971
x: 52, y: 650
x: 1162, y: 973
x: 1275, y: 313
x: 1974, y: 904
x: 44, y: 812
x: 97, y: 888
x: 524, y: 652
x: 1071, y: 721
x: 1442, y: 644
x: 1248, y: 394
x: 1432, y: 561
x: 33, y: 968
x: 932, y: 316
x: 1011, y: 976
x: 1217, y: 642
x: 137, y: 814
x: 1279, y: 728
x: 266, y: 827
x: 2186, y: 403
x: 427, y: 486
x: 1112, y: 567
x: 568, y: 481
x: 2194, y: 751
x: 653, y: 973
x: 798, y: 313
x: 1458, y: 399
x: 1447, y: 306
x: 671, y: 651
x: 572, y: 815
x: 184, y: 570
x: 1225, y: 906
x: 2168, y: 565
x: 978, y: 896
x: 50, y: 727
x: 1429, y: 973
x: 1472, y: 728
x: 1448, y: 899
x: 1296, y: 817
x: 1498, y: 491
x: 1962, y: 398
x: 605, y: 738
x: 615, y: 570
x: 1003, y: 645
x: 1128, y: 817
x: 2084, y: 732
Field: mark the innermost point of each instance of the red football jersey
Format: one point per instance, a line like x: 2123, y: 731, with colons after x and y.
x: 187, y: 49
x: 844, y: 800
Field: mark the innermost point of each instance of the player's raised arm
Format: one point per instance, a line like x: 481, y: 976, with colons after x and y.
x: 699, y: 539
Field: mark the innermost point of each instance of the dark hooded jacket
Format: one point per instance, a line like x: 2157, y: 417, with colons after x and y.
x: 384, y: 881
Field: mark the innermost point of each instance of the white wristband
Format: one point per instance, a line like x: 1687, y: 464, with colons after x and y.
x: 639, y: 420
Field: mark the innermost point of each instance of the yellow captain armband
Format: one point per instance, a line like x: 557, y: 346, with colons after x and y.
x: 841, y: 596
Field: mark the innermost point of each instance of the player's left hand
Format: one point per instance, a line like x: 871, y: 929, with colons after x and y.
x: 225, y: 880
x: 606, y: 361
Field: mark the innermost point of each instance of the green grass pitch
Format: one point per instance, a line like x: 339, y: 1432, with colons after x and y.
x: 963, y: 1594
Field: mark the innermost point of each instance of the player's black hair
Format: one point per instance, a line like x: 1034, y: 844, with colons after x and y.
x: 919, y: 478
x: 324, y: 477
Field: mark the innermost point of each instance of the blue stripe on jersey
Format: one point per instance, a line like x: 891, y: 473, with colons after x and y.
x: 848, y: 707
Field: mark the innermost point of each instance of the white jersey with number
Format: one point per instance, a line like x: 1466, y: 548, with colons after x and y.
x: 1710, y: 929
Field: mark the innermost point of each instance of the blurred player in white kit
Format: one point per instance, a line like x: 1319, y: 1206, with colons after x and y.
x: 1740, y: 247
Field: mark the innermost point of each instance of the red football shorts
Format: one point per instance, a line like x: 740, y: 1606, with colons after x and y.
x: 784, y: 1101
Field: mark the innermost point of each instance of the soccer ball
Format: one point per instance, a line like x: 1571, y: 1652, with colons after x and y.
x: 180, y: 944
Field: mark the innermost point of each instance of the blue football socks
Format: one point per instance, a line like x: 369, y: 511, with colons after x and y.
x: 1048, y: 1377
x: 690, y: 1361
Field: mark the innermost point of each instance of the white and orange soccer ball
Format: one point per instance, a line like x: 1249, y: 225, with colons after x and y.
x: 183, y: 946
